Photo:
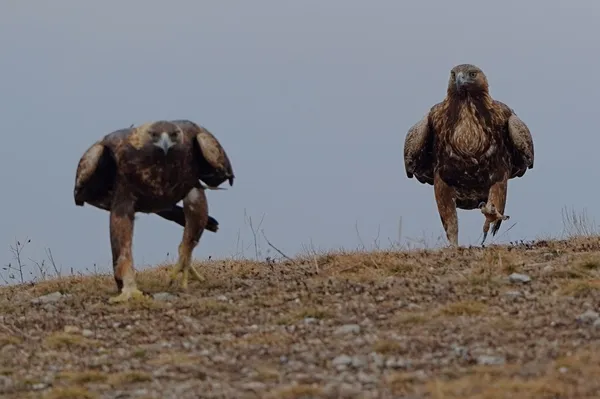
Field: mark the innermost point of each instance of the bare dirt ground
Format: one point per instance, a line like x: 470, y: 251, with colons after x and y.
x: 420, y: 324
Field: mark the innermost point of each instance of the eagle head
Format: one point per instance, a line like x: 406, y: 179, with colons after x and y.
x: 467, y: 79
x: 164, y: 135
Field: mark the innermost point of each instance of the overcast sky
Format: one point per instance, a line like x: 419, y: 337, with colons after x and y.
x: 311, y: 100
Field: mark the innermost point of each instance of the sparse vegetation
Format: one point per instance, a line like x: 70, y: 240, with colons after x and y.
x: 420, y: 323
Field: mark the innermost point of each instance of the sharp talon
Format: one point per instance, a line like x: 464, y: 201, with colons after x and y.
x: 196, y: 274
x: 481, y: 205
x: 126, y: 295
x: 185, y: 270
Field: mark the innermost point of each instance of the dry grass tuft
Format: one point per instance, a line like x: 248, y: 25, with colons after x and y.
x: 411, y: 318
x: 296, y: 391
x: 83, y: 377
x: 70, y: 393
x: 62, y: 340
x: 463, y: 308
x: 129, y: 377
x: 210, y: 307
x: 9, y: 340
x: 484, y: 387
x: 388, y: 346
x: 580, y: 288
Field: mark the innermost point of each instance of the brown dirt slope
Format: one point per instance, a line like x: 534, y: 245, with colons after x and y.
x: 419, y: 324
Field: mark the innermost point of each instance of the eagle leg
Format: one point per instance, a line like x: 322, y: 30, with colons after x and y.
x: 195, y: 209
x: 493, y: 210
x: 444, y: 198
x: 491, y: 216
x: 121, y: 235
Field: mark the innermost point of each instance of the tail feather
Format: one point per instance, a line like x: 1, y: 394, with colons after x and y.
x: 496, y: 227
x: 176, y: 215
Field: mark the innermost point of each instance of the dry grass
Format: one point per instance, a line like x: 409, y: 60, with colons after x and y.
x: 70, y: 393
x: 428, y: 322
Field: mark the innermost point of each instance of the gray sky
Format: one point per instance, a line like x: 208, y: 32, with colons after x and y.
x: 311, y: 100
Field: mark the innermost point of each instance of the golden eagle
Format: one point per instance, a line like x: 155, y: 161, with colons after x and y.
x: 468, y: 146
x: 149, y: 169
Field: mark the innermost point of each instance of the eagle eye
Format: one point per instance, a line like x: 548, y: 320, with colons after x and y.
x: 173, y: 135
x: 452, y: 74
x: 472, y: 74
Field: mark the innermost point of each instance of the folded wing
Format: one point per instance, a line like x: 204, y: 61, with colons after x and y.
x: 522, y: 142
x: 418, y: 152
x: 215, y: 167
x: 95, y: 175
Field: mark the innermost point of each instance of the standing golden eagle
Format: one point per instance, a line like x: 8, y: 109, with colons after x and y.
x: 468, y: 146
x: 149, y: 169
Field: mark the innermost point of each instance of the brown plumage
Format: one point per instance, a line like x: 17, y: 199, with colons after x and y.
x: 149, y: 169
x: 468, y: 146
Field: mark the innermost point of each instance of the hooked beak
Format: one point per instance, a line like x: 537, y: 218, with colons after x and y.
x: 460, y: 80
x: 164, y: 143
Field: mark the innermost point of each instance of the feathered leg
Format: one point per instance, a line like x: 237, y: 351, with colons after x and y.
x: 121, y: 235
x: 493, y: 210
x: 195, y: 208
x: 444, y: 197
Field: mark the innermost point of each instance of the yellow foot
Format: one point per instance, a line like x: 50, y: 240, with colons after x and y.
x: 185, y: 270
x: 126, y: 295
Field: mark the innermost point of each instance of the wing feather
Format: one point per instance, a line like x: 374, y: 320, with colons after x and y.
x: 215, y: 167
x: 95, y: 175
x: 522, y: 141
x: 418, y: 154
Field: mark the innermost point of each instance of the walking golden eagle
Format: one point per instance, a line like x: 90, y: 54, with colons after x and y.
x: 468, y: 146
x: 149, y: 169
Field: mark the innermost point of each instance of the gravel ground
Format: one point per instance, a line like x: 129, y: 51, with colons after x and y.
x: 514, y: 321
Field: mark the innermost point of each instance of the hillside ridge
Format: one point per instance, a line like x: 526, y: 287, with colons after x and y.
x: 473, y: 323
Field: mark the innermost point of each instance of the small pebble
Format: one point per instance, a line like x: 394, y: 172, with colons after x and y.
x: 589, y: 316
x: 340, y: 362
x: 49, y: 298
x: 348, y: 329
x: 519, y: 278
x: 486, y: 360
x: 71, y: 329
x: 164, y: 296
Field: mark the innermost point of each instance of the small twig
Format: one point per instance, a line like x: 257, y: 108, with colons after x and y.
x: 376, y: 240
x: 315, y: 259
x: 41, y: 266
x: 494, y: 239
x: 57, y: 272
x: 364, y: 248
x: 275, y: 248
x: 400, y: 232
x: 254, y: 233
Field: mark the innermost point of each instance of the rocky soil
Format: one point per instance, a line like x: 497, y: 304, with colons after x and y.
x: 517, y: 321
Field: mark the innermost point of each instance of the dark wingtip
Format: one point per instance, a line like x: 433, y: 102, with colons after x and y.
x: 212, y: 224
x: 496, y: 227
x: 231, y: 181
